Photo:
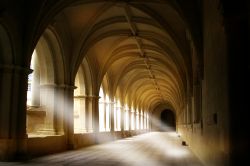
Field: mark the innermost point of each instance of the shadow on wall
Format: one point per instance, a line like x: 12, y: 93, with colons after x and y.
x: 168, y: 121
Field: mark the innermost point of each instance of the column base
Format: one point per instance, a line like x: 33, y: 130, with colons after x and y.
x: 7, y: 149
x: 13, y: 150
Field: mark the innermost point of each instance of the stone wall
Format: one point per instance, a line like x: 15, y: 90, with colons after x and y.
x: 209, y: 139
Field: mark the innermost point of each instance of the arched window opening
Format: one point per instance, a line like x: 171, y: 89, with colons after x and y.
x: 147, y: 121
x: 33, y: 92
x: 79, y: 103
x: 117, y: 115
x: 141, y: 121
x: 144, y: 120
x: 126, y: 125
x: 102, y: 111
x: 41, y: 94
x: 133, y: 119
x: 137, y: 119
x: 108, y: 113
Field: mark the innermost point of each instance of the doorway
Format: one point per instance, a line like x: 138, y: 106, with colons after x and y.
x: 168, y: 121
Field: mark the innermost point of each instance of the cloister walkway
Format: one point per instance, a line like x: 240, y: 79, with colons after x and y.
x: 151, y: 149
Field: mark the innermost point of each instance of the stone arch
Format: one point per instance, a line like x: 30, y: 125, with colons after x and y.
x: 79, y: 102
x: 58, y: 60
x: 168, y: 120
x: 82, y: 93
x: 88, y: 77
x: 45, y: 61
x: 158, y: 115
x: 47, y: 82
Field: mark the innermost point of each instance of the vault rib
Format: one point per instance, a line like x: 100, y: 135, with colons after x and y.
x: 134, y: 31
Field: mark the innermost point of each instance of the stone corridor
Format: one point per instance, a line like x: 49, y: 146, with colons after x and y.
x: 81, y: 73
x: 151, y: 149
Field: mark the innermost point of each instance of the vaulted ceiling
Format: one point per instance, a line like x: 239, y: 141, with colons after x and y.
x: 144, y: 48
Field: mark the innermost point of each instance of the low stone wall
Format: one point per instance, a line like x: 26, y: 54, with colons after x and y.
x: 38, y: 146
x: 35, y: 119
x: 43, y: 145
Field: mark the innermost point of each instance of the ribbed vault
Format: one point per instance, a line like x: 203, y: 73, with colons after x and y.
x: 142, y: 48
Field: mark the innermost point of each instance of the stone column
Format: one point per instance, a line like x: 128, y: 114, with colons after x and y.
x: 53, y: 101
x: 130, y: 119
x: 95, y: 113
x: 82, y: 114
x: 69, y: 115
x: 142, y: 124
x: 88, y: 114
x: 140, y: 120
x: 122, y: 117
x: 135, y: 119
x: 13, y: 95
x: 92, y: 113
x: 48, y: 103
x: 149, y: 123
x: 82, y: 110
x: 112, y: 127
x: 59, y: 110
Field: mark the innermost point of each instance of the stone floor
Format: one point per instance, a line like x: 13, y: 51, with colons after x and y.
x: 151, y: 149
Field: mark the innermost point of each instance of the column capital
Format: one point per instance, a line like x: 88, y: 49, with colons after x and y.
x: 15, y: 69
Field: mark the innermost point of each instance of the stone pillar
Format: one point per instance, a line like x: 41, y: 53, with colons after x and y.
x: 135, y: 119
x: 88, y: 114
x: 95, y: 113
x: 130, y: 119
x: 140, y: 120
x: 48, y: 102
x: 82, y: 115
x: 69, y: 115
x: 53, y: 101
x: 122, y: 117
x: 13, y: 95
x: 149, y: 122
x: 116, y: 110
x: 112, y: 127
x: 59, y: 110
x: 92, y: 114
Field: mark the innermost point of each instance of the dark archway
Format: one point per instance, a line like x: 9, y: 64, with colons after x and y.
x: 168, y: 121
